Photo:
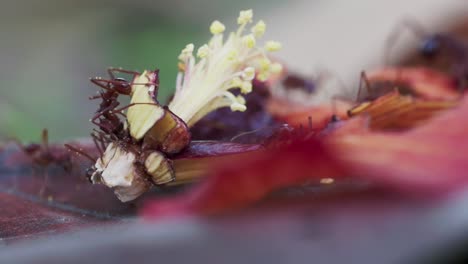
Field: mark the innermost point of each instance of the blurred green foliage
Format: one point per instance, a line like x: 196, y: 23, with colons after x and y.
x: 51, y: 53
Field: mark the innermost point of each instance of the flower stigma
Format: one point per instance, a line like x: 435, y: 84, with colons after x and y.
x: 204, y: 84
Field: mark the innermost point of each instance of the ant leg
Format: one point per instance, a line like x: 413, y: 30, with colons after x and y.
x: 335, y: 99
x: 80, y: 151
x: 45, y: 139
x: 130, y: 105
x: 363, y: 81
x: 100, y: 82
x: 100, y: 139
x: 408, y: 24
x: 105, y: 110
x: 45, y: 182
x: 325, y: 75
x: 104, y: 84
x: 112, y: 70
x: 99, y: 96
x: 95, y: 140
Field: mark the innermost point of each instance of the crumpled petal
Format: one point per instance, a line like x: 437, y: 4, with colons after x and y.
x: 423, y: 82
x: 248, y: 178
x: 295, y: 115
x: 394, y: 111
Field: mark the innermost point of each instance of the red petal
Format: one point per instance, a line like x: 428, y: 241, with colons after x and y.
x: 247, y: 178
x: 431, y: 157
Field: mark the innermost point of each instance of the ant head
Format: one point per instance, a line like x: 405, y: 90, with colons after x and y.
x: 120, y: 79
x: 122, y: 86
x: 32, y: 148
x: 430, y: 47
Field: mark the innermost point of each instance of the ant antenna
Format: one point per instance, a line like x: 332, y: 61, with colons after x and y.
x: 407, y: 23
x: 255, y: 131
x: 80, y: 152
x: 325, y: 75
x: 112, y: 70
x: 130, y: 105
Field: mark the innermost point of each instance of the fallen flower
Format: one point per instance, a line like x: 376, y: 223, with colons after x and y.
x: 223, y: 65
x: 131, y: 162
x: 423, y: 160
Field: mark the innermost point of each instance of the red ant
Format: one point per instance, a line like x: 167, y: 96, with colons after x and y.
x: 106, y: 116
x: 433, y: 45
x: 42, y: 156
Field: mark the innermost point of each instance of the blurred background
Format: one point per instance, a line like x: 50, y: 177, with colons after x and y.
x: 49, y: 49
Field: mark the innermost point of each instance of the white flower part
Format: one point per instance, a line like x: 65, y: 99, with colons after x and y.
x: 116, y: 169
x: 273, y: 46
x: 245, y: 17
x: 228, y: 61
x: 217, y: 27
x: 187, y: 52
x: 259, y: 29
x: 276, y: 67
x: 203, y: 51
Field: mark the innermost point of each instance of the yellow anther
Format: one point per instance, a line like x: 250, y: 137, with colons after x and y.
x: 238, y: 107
x: 246, y: 87
x: 276, y: 67
x: 263, y: 76
x: 272, y: 45
x: 264, y: 64
x: 327, y: 181
x: 249, y: 41
x: 181, y: 66
x: 232, y: 55
x: 236, y: 82
x: 245, y: 17
x: 248, y: 73
x: 217, y: 27
x: 240, y: 99
x: 259, y: 29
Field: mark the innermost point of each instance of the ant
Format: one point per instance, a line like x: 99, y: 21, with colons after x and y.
x: 43, y: 157
x: 106, y: 117
x: 111, y: 126
x: 433, y: 45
